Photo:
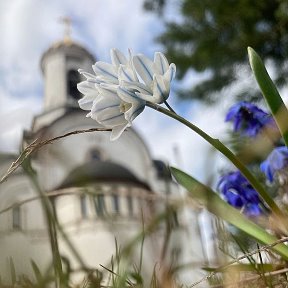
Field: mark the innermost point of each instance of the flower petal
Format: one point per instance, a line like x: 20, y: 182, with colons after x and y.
x: 87, y: 75
x: 117, y: 57
x: 145, y: 97
x: 117, y: 131
x: 129, y: 96
x: 170, y: 73
x: 134, y: 111
x: 110, y: 116
x: 161, y: 63
x: 144, y: 67
x: 160, y: 90
x: 126, y: 73
x: 86, y: 103
x: 86, y: 87
x: 107, y: 98
x: 105, y: 70
x: 140, y: 87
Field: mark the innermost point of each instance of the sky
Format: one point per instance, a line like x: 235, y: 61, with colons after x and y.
x: 29, y: 27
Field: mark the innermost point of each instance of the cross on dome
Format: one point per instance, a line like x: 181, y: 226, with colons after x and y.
x: 67, y: 23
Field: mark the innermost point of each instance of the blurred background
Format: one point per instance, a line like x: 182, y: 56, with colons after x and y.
x: 206, y: 39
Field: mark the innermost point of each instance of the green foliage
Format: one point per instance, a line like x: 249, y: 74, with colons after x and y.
x: 215, y: 205
x: 37, y: 272
x: 154, y: 5
x: 270, y: 93
x: 213, y: 35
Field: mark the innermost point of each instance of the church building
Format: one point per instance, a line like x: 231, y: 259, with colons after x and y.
x: 101, y: 192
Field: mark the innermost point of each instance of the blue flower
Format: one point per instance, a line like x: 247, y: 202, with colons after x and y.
x: 248, y: 118
x: 276, y: 160
x: 239, y: 193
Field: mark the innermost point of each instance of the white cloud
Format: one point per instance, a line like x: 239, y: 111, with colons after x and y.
x: 16, y: 114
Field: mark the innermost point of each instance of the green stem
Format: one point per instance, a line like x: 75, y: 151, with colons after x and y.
x: 169, y: 107
x: 216, y: 143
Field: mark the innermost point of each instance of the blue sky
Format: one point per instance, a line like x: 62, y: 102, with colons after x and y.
x: 29, y: 27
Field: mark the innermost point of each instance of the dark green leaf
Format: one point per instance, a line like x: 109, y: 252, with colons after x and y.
x: 270, y: 93
x: 214, y: 204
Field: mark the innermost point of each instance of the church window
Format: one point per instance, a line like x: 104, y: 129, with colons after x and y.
x: 99, y: 203
x: 115, y: 200
x: 73, y: 78
x: 130, y: 205
x: 95, y: 154
x: 16, y: 218
x: 162, y: 170
x: 83, y: 206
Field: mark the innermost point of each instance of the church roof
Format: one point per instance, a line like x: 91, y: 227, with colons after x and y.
x: 101, y: 171
x: 68, y: 47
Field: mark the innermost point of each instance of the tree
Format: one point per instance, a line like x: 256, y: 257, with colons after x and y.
x: 213, y: 36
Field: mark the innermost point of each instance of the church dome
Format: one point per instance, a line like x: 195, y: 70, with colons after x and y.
x: 101, y: 171
x: 66, y: 47
x: 60, y: 65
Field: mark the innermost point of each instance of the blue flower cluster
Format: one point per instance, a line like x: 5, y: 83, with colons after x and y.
x: 275, y: 162
x: 238, y: 192
x: 248, y: 119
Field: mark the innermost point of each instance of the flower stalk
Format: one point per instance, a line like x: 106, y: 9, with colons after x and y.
x: 218, y: 145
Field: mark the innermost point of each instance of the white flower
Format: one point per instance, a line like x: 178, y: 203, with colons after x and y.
x: 116, y: 108
x: 89, y: 90
x: 104, y: 73
x: 156, y: 76
x: 118, y: 91
x: 112, y: 106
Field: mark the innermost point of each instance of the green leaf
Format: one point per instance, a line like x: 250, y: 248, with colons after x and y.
x: 214, y: 204
x: 37, y: 272
x: 270, y: 93
x: 267, y: 267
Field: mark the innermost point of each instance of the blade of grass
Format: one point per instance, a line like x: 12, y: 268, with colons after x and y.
x: 214, y: 204
x: 270, y: 93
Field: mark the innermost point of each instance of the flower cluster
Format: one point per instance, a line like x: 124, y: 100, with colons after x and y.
x: 248, y: 119
x: 276, y: 161
x: 238, y: 192
x: 117, y: 93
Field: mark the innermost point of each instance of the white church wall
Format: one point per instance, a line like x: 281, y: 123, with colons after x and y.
x: 95, y: 236
x: 55, y: 91
x: 25, y: 237
x: 56, y: 161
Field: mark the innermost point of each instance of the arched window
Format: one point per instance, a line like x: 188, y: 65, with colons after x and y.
x: 95, y: 154
x: 83, y: 206
x: 115, y: 201
x: 16, y: 218
x: 73, y: 78
x: 130, y: 205
x: 99, y: 203
x: 163, y: 171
